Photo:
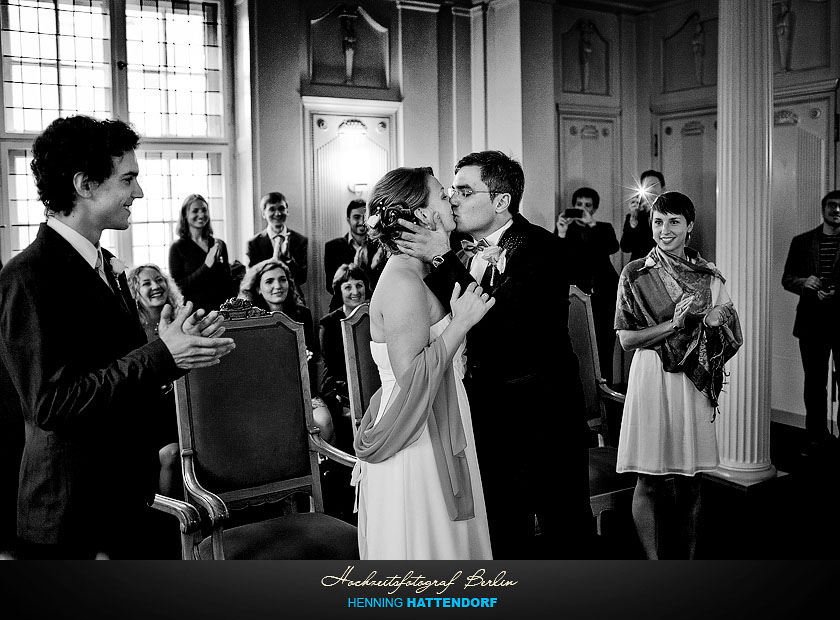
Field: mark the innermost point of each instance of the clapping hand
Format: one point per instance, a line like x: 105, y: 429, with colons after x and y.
x: 213, y: 254
x: 719, y: 315
x: 188, y: 350
x: 470, y: 307
x: 681, y: 311
x: 200, y: 323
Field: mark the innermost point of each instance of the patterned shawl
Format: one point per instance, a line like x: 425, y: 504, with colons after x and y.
x: 648, y: 292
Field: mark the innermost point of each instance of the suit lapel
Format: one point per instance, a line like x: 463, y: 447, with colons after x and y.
x: 510, y: 240
x: 118, y: 289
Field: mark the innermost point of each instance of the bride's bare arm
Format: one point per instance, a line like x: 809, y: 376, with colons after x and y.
x: 406, y: 320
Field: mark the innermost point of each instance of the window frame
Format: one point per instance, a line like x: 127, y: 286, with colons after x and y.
x: 224, y: 144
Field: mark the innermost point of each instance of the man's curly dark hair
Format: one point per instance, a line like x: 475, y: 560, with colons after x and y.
x: 76, y: 144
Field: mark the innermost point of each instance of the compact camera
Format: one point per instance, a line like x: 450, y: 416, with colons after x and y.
x: 573, y: 213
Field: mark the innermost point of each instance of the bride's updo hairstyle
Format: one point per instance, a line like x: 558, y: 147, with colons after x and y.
x: 396, y: 195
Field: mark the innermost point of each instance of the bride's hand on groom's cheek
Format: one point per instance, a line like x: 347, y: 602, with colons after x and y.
x: 421, y: 242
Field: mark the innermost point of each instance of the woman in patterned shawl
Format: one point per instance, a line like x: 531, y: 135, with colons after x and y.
x: 674, y: 312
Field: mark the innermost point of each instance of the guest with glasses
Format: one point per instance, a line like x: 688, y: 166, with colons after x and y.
x: 515, y: 363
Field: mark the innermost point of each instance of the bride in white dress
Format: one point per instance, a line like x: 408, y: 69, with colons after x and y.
x: 418, y: 482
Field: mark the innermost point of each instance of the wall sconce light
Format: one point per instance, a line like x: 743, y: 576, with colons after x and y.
x: 358, y: 188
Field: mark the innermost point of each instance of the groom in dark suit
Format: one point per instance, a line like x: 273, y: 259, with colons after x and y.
x: 523, y: 385
x: 73, y: 350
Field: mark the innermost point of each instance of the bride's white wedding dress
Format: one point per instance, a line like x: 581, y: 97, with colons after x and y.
x: 402, y: 513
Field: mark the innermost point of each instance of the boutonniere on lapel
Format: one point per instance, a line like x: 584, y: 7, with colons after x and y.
x: 497, y: 257
x: 117, y: 268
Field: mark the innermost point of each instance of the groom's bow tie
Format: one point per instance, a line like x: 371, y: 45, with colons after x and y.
x: 472, y: 248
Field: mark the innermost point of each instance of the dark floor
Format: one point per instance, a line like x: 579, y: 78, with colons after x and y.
x: 794, y: 516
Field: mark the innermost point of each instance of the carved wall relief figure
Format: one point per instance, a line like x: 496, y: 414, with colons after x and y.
x: 347, y: 47
x: 348, y: 18
x: 698, y: 50
x: 586, y: 59
x: 689, y: 54
x: 585, y: 47
x: 784, y: 33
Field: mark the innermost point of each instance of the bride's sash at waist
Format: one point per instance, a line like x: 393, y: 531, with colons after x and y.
x: 425, y: 395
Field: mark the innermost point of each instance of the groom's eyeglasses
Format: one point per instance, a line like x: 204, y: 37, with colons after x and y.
x: 466, y: 192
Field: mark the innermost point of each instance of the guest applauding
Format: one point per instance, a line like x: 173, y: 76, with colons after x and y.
x: 269, y: 285
x: 674, y: 312
x: 197, y: 260
x: 152, y: 290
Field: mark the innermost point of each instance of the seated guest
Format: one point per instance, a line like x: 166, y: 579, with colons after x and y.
x: 197, y: 260
x: 350, y: 284
x: 269, y: 285
x: 588, y: 246
x: 152, y: 290
x: 354, y: 247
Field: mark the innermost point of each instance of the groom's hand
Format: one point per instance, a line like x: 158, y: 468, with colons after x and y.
x: 423, y: 243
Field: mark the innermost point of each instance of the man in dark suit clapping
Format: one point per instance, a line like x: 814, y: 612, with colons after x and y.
x: 523, y: 384
x: 72, y: 347
x: 279, y: 241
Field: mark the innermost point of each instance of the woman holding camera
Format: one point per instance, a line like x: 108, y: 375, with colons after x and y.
x: 675, y: 313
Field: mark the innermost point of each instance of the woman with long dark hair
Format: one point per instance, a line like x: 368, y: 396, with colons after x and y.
x: 197, y: 260
x: 269, y: 285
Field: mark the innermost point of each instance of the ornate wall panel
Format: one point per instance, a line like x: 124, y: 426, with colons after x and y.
x: 688, y: 161
x: 801, y: 177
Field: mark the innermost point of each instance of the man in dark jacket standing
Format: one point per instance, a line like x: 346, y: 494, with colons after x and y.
x: 812, y: 271
x: 588, y: 246
x: 73, y: 350
x: 522, y: 375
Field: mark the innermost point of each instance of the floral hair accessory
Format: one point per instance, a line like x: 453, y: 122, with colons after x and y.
x: 372, y: 221
x: 117, y: 266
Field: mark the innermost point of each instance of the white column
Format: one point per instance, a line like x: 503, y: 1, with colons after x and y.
x: 744, y: 230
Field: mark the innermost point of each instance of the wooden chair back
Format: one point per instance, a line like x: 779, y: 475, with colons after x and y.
x: 362, y: 373
x: 247, y: 435
x: 607, y: 489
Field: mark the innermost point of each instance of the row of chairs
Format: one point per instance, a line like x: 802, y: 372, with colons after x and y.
x: 250, y: 448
